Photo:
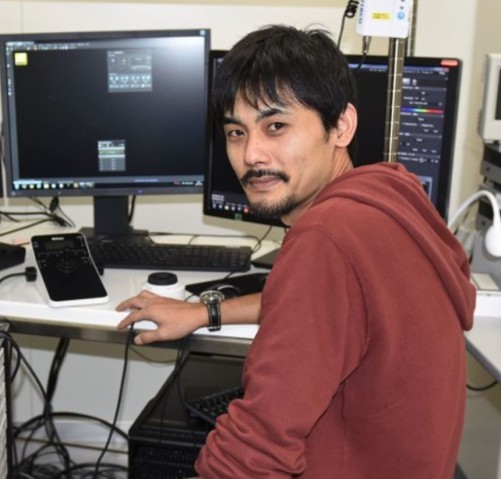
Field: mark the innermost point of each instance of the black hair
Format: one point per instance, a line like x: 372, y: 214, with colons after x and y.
x: 278, y: 63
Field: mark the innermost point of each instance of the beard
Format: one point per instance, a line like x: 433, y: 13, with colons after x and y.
x: 266, y: 209
x: 274, y: 211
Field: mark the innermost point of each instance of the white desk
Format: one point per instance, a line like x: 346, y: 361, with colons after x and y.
x: 21, y: 304
x: 484, y: 340
x: 23, y: 307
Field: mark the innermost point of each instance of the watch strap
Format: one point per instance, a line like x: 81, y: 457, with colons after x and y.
x: 214, y: 310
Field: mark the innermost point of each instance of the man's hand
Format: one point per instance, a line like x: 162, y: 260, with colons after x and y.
x: 174, y: 319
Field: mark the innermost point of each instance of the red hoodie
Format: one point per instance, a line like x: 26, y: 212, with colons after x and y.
x: 358, y: 369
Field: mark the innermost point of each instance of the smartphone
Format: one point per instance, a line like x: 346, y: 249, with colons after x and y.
x: 67, y: 273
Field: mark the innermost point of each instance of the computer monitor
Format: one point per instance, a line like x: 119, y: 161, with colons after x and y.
x: 430, y: 95
x: 105, y: 114
x: 223, y: 195
x: 426, y: 136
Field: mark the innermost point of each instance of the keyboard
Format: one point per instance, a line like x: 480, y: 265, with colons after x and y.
x: 159, y: 256
x: 209, y: 407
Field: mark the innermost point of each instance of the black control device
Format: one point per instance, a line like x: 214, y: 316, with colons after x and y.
x: 11, y: 255
x: 68, y: 275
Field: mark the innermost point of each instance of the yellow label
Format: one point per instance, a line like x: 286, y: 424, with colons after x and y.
x: 381, y: 16
x: 20, y: 59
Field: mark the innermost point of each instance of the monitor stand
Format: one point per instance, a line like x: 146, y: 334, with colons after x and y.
x: 111, y: 221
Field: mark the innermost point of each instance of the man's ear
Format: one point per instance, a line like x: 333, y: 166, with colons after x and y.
x: 346, y: 126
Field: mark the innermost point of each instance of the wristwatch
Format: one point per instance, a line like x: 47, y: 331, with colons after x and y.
x: 213, y: 299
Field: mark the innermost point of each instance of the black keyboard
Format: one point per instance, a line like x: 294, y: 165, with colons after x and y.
x: 158, y: 256
x: 209, y: 407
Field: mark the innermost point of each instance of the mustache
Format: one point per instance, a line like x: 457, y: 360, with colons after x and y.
x: 251, y: 174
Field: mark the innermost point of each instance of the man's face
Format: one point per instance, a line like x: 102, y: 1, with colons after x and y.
x: 282, y: 155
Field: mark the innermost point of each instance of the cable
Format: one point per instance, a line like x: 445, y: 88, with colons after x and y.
x: 30, y: 272
x: 9, y: 436
x: 482, y: 388
x: 57, y: 362
x: 55, y: 205
x: 35, y: 423
x: 349, y: 12
x: 130, y: 336
x: 52, y: 434
x: 48, y: 211
x: 31, y: 225
x: 35, y: 464
x: 2, y: 157
x: 51, y: 209
x: 132, y: 209
x: 10, y: 373
x: 176, y: 372
x: 64, y: 414
x: 366, y: 45
x: 255, y: 248
x: 27, y: 466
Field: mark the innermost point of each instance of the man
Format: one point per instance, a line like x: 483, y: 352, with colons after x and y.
x: 358, y: 368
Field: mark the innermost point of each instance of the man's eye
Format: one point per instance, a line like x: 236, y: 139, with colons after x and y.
x: 234, y: 133
x: 277, y: 125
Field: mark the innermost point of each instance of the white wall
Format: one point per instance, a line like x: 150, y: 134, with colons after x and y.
x: 480, y: 454
x: 444, y: 33
x: 90, y: 375
x: 229, y: 20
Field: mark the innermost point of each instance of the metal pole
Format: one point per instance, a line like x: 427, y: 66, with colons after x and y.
x: 411, y: 40
x: 398, y: 49
x: 393, y: 98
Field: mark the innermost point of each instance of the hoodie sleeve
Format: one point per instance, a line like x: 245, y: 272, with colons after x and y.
x: 295, y: 365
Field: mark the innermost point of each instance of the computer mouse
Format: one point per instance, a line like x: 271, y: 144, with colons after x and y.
x: 229, y: 290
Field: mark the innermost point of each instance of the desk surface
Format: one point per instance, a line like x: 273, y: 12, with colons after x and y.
x: 484, y: 340
x: 22, y: 305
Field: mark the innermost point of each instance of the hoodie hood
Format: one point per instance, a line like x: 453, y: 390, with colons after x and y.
x: 378, y: 185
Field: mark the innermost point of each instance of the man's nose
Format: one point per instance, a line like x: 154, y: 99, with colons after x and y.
x: 256, y: 152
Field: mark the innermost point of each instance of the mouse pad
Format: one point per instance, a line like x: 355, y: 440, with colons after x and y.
x: 245, y: 284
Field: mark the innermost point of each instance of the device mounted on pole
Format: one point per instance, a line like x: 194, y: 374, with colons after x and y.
x: 384, y: 18
x: 389, y: 18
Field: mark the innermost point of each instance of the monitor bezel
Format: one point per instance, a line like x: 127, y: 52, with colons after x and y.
x: 452, y: 104
x: 446, y: 161
x: 212, y: 131
x: 109, y: 190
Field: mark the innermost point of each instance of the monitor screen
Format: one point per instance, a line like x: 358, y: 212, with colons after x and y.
x: 105, y: 114
x: 426, y: 133
x: 223, y: 194
x: 430, y: 94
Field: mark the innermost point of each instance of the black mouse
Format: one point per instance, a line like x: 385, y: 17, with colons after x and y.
x: 229, y: 290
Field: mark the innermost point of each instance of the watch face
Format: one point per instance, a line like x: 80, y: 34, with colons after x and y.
x: 212, y: 296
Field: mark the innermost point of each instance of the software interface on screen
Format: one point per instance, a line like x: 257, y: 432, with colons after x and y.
x: 105, y: 114
x: 430, y: 90
x: 426, y: 136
